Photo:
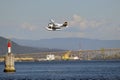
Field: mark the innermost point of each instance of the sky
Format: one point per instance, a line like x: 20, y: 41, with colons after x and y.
x: 27, y: 19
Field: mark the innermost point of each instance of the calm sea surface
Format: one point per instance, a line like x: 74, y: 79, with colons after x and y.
x: 63, y: 70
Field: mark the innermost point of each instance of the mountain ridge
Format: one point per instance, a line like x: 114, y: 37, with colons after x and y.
x: 17, y: 48
x: 71, y: 43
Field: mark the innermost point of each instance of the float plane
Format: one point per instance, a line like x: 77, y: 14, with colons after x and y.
x: 53, y: 26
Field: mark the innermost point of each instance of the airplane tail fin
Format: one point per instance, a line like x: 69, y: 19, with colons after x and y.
x: 65, y: 24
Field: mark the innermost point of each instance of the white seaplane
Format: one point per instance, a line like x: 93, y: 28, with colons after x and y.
x: 53, y: 26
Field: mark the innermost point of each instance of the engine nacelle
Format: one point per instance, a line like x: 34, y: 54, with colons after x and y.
x: 50, y: 25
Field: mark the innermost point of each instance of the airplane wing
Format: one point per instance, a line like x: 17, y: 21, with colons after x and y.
x: 52, y: 21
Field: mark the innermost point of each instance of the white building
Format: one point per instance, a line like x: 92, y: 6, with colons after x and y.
x: 50, y: 57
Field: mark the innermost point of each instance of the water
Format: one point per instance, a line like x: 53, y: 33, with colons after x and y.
x: 63, y: 70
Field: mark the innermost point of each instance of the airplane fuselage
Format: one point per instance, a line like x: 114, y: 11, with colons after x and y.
x: 55, y: 26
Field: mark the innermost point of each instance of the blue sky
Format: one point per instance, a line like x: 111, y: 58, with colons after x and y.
x: 27, y: 19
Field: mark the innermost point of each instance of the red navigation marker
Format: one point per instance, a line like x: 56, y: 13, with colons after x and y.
x: 9, y: 46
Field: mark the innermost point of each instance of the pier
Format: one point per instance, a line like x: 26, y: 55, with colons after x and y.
x: 102, y: 54
x: 80, y: 54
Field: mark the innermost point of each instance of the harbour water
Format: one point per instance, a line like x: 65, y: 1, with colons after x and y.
x: 63, y: 70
